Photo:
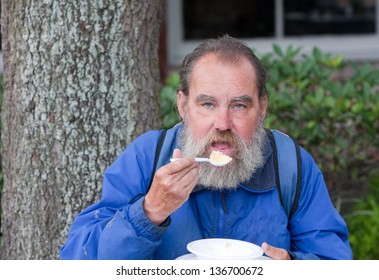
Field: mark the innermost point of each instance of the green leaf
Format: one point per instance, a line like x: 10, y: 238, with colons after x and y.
x: 330, y: 102
x: 277, y: 50
x: 319, y: 95
x: 348, y: 89
x: 337, y: 61
x: 173, y: 80
x: 317, y: 53
x: 357, y: 108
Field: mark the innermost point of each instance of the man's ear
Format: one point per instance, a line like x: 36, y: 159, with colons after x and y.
x: 182, y: 100
x: 263, y: 103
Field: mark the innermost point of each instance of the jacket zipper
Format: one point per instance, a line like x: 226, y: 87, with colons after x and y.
x: 222, y: 211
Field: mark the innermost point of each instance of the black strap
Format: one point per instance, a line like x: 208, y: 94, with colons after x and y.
x: 277, y: 179
x: 157, y: 152
x: 299, y: 178
x: 276, y: 164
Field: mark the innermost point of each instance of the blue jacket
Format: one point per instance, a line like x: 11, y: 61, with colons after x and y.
x: 117, y: 228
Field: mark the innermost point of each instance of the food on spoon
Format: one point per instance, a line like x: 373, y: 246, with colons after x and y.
x: 218, y: 157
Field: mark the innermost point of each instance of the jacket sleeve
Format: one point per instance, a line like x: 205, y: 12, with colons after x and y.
x: 116, y: 227
x: 317, y: 229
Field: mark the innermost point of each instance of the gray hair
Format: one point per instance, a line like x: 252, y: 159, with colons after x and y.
x: 229, y: 50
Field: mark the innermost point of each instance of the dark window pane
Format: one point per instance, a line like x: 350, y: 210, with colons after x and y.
x: 337, y: 17
x: 238, y: 18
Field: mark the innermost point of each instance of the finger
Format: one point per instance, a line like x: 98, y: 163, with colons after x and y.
x: 189, y: 180
x: 177, y: 153
x: 182, y: 165
x: 274, y: 252
x: 175, y: 176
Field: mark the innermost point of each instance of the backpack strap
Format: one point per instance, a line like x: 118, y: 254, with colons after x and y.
x: 157, y: 153
x: 287, y: 164
x: 168, y: 146
x: 165, y: 148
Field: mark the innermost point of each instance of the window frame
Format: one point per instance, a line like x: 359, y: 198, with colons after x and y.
x: 355, y: 47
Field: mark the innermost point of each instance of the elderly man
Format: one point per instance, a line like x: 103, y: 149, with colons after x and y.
x: 153, y: 214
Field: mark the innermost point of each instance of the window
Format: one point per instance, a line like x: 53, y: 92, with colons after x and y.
x: 243, y: 18
x: 337, y: 17
x: 347, y: 27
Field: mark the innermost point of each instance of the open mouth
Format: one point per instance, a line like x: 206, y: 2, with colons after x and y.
x: 223, y: 141
x: 223, y: 147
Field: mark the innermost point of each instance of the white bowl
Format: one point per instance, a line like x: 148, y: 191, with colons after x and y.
x: 224, y: 249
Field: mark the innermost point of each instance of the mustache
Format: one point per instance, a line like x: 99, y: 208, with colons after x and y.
x: 223, y: 137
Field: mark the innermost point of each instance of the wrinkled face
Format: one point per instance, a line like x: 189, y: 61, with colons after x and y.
x: 222, y: 97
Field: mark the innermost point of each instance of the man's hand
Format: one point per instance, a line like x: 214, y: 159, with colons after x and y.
x: 275, y: 253
x: 171, y: 187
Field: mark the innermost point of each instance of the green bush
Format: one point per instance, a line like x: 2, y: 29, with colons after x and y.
x: 167, y: 101
x: 331, y: 106
x: 363, y: 223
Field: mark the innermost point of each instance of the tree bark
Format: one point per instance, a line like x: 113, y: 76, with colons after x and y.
x: 81, y: 80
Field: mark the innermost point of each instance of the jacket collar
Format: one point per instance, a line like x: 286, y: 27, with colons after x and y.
x: 264, y: 177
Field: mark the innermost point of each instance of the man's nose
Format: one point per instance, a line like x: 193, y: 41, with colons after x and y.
x: 223, y: 120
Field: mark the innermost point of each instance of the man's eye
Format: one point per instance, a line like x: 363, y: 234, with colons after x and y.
x: 240, y: 106
x: 208, y: 105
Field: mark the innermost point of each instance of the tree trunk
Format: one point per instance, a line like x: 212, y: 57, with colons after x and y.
x: 81, y: 81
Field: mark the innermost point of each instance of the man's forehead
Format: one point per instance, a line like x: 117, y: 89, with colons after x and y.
x: 215, y: 58
x: 210, y: 69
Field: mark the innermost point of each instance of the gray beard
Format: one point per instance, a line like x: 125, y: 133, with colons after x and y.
x: 248, y: 159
